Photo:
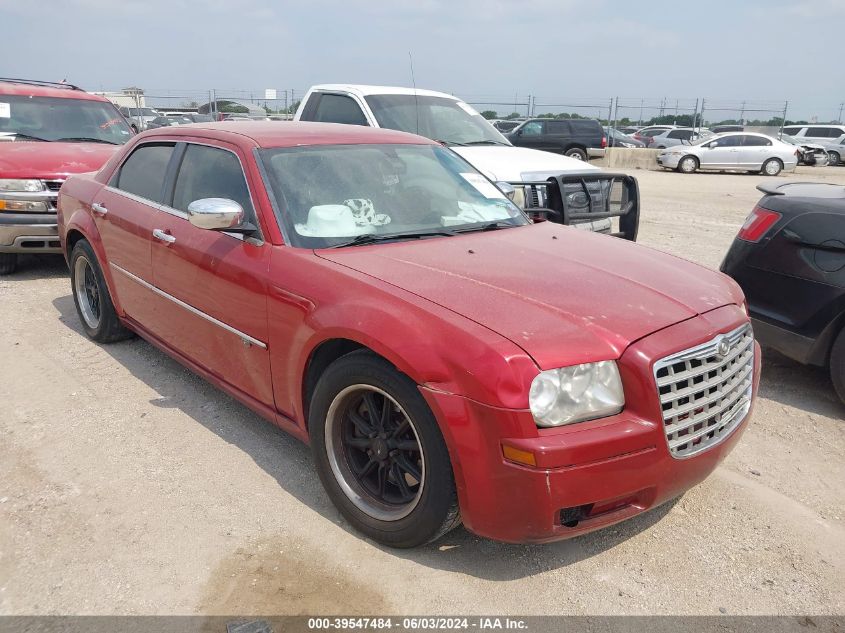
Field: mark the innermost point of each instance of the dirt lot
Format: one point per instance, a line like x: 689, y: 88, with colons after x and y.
x: 128, y: 485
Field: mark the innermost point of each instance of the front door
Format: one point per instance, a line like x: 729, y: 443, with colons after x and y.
x: 721, y: 153
x: 216, y: 282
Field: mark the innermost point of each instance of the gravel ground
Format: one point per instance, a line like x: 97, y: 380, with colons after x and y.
x: 130, y: 486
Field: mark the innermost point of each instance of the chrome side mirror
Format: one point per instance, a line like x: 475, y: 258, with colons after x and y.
x: 507, y: 188
x: 215, y: 214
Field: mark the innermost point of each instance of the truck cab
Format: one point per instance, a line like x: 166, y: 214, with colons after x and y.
x: 537, y: 177
x: 48, y: 131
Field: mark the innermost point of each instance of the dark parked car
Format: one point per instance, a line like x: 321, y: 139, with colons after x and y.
x: 721, y: 129
x: 576, y: 138
x: 615, y: 138
x: 789, y: 258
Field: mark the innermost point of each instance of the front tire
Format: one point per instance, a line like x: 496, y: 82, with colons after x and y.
x: 835, y: 159
x: 772, y: 167
x: 8, y: 263
x: 837, y: 365
x: 688, y: 165
x: 91, y: 296
x: 576, y: 152
x: 380, y: 454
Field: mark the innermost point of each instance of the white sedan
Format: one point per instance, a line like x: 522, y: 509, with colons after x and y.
x: 740, y: 151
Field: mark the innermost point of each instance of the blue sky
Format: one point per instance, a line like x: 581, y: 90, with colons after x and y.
x: 560, y: 51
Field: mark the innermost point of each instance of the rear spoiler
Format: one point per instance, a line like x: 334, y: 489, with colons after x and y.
x: 559, y: 210
x: 774, y: 189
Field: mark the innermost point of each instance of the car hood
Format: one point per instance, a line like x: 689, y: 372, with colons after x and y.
x: 519, y: 164
x: 564, y: 296
x: 36, y: 159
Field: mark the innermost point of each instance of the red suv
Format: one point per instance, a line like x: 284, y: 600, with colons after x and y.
x: 47, y: 132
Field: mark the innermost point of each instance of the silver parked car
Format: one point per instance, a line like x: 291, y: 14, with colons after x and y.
x: 808, y: 153
x: 734, y: 151
x: 679, y: 136
x: 835, y: 150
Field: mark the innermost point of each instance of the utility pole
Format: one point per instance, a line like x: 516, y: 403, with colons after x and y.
x: 640, y: 121
x: 841, y: 105
x: 742, y: 114
x: 783, y: 119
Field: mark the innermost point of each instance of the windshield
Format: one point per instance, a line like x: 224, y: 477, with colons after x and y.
x: 57, y: 119
x: 437, y: 118
x: 330, y: 195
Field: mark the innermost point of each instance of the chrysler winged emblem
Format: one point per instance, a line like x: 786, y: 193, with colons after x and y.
x: 723, y: 346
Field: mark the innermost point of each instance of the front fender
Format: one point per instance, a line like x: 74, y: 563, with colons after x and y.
x: 436, y: 348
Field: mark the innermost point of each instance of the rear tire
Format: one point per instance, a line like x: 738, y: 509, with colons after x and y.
x: 772, y: 167
x: 91, y: 296
x: 688, y: 165
x: 837, y: 365
x: 8, y: 263
x: 379, y: 453
x: 576, y: 152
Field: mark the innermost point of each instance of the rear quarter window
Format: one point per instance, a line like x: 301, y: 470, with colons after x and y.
x: 579, y: 126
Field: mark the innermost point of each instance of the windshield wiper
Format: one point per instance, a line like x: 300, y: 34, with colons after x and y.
x: 484, y: 143
x: 372, y: 238
x: 86, y: 139
x: 490, y: 226
x: 449, y: 143
x: 29, y: 137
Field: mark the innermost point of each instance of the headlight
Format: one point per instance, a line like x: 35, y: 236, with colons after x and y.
x: 575, y: 394
x: 20, y: 185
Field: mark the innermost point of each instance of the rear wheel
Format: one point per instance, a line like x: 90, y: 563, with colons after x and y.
x: 8, y: 263
x: 380, y: 454
x: 576, y: 153
x: 772, y: 167
x: 91, y: 296
x: 835, y: 158
x: 688, y: 164
x: 837, y: 365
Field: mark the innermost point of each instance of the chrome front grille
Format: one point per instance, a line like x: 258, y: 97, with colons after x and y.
x: 705, y: 392
x: 53, y: 187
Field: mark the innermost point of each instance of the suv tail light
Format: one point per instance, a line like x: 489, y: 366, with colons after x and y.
x: 603, y: 142
x: 757, y: 224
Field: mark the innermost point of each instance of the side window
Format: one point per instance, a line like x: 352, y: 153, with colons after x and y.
x: 727, y: 141
x: 532, y: 128
x: 143, y: 172
x: 557, y: 127
x: 210, y: 172
x: 755, y: 141
x: 791, y: 131
x: 338, y: 109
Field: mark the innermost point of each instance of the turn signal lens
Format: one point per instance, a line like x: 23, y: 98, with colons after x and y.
x: 757, y: 224
x: 518, y: 456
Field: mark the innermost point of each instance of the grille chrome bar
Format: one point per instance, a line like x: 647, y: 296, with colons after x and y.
x: 705, y: 391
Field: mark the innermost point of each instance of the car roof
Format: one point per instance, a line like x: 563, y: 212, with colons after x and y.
x: 364, y: 90
x: 291, y: 134
x: 61, y: 91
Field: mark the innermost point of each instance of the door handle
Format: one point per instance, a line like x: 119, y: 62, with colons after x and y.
x: 99, y: 209
x: 164, y: 237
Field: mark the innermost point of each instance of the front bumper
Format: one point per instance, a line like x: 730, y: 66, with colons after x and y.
x: 588, y: 475
x: 29, y: 233
x: 668, y: 160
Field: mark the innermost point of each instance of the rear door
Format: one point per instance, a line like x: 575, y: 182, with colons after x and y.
x: 558, y: 136
x: 215, y: 282
x: 754, y: 151
x: 125, y: 212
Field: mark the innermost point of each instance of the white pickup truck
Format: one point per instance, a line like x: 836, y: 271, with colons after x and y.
x: 546, y: 185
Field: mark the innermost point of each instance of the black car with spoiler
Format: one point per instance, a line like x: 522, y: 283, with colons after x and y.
x: 789, y: 259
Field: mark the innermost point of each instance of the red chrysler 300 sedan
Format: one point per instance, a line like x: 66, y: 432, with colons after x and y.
x: 447, y: 359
